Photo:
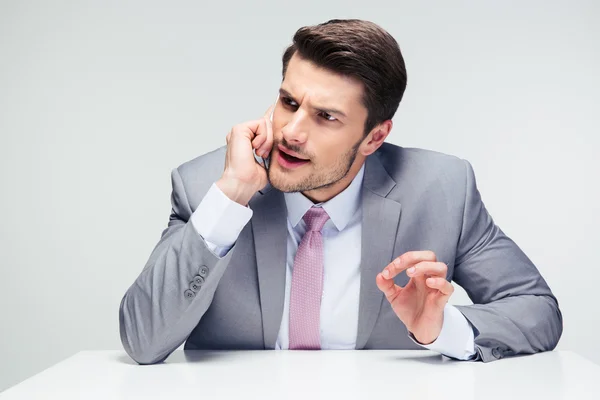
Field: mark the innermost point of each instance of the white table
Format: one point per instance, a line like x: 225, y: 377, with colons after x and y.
x: 310, y: 375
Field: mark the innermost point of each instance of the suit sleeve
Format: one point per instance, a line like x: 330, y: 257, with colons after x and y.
x: 514, y: 310
x: 175, y: 288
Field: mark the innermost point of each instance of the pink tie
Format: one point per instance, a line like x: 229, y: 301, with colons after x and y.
x: 307, y: 284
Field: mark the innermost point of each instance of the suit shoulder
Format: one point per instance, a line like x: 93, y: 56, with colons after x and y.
x: 208, y: 166
x: 198, y: 174
x: 209, y: 159
x: 423, y: 164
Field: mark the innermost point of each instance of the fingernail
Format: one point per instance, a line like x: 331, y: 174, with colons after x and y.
x: 411, y: 270
x: 386, y: 274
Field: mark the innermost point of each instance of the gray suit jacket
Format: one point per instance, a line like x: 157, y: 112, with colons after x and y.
x: 413, y: 199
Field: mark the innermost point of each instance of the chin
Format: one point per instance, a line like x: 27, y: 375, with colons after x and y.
x: 281, y: 183
x: 283, y: 180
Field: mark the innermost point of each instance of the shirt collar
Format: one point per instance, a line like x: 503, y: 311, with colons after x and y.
x: 340, y: 208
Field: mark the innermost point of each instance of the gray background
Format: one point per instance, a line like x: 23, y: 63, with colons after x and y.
x: 100, y: 100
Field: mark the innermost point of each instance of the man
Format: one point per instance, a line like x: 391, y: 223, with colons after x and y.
x: 342, y: 241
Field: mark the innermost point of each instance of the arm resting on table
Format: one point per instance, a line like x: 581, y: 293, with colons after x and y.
x: 515, y: 311
x: 160, y: 309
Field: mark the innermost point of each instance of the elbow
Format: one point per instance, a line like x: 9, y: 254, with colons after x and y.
x: 547, y: 327
x: 134, y: 343
x: 146, y: 357
x: 139, y: 351
x: 556, y: 325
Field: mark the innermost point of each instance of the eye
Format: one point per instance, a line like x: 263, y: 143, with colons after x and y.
x: 289, y: 102
x: 328, y: 117
x: 292, y: 104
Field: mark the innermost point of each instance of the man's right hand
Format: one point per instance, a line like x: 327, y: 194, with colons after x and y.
x: 243, y: 176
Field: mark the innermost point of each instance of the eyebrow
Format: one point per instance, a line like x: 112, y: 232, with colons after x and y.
x: 285, y: 93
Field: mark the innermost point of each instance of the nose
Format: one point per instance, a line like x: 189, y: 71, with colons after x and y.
x: 295, y: 130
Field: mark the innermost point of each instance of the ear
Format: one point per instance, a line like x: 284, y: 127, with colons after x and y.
x: 376, y: 137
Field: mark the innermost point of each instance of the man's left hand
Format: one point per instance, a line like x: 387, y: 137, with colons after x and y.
x: 420, y: 304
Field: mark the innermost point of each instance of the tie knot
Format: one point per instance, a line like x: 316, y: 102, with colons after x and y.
x: 315, y: 219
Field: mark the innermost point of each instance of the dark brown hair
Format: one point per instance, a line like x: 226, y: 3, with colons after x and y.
x: 359, y: 49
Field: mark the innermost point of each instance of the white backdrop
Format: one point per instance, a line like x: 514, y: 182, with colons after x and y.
x: 100, y: 100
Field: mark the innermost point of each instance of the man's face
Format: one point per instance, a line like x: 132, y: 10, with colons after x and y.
x: 319, y: 119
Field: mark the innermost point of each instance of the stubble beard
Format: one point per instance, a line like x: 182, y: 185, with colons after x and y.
x: 317, y: 180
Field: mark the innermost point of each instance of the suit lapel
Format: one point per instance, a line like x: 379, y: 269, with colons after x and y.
x: 269, y: 228
x: 380, y: 220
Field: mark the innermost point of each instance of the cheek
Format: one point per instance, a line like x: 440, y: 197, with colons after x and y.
x: 277, y: 127
x: 327, y: 153
x: 280, y: 119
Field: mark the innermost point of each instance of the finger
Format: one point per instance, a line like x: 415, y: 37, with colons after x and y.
x: 228, y: 138
x: 440, y: 284
x: 388, y: 287
x: 265, y: 149
x: 249, y: 128
x: 260, y: 138
x: 406, y: 261
x: 428, y: 268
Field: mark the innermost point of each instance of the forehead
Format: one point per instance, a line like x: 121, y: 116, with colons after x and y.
x: 323, y: 87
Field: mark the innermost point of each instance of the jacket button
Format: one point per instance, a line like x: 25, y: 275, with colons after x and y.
x: 198, y: 280
x: 189, y: 294
x: 497, y: 352
x: 195, y: 287
x: 203, y: 271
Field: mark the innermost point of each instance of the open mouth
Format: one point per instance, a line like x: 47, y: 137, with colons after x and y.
x: 290, y: 161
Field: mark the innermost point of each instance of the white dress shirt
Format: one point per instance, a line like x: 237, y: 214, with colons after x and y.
x: 219, y: 220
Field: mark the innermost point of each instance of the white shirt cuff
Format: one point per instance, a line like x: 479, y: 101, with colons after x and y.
x: 219, y: 220
x: 457, y: 339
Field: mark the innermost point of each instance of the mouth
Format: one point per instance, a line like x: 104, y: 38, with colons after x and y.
x: 288, y: 159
